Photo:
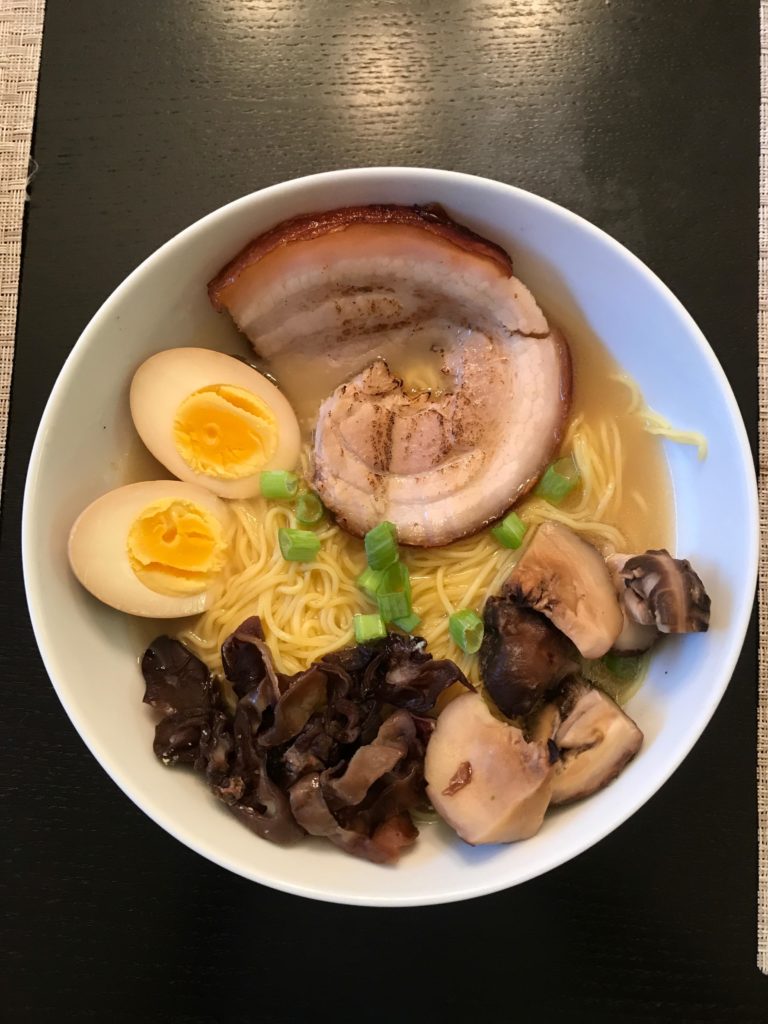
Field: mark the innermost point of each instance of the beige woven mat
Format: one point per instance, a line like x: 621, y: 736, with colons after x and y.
x: 21, y: 29
x: 762, y: 330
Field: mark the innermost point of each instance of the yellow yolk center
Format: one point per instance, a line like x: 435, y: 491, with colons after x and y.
x: 176, y: 547
x: 225, y: 431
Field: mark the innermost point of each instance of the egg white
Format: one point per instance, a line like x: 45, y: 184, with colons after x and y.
x: 98, y: 548
x: 162, y: 383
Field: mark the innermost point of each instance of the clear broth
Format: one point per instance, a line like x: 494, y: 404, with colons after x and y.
x: 416, y: 356
x: 598, y: 392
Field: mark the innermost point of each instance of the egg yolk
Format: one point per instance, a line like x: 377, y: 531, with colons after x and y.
x: 225, y: 431
x: 176, y: 547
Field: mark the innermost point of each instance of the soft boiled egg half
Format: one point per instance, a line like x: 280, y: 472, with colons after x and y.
x: 212, y: 420
x: 154, y: 549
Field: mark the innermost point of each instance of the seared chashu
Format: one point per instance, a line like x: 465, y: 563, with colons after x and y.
x: 441, y: 468
x: 338, y: 289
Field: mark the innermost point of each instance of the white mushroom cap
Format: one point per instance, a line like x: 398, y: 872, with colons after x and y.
x: 566, y: 579
x: 483, y: 777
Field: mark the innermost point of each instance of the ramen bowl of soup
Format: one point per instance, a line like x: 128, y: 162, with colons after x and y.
x: 419, y: 437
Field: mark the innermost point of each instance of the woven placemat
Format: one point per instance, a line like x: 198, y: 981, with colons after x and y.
x: 762, y: 331
x: 21, y: 30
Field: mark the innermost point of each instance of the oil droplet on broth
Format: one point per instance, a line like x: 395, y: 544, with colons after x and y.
x: 421, y: 371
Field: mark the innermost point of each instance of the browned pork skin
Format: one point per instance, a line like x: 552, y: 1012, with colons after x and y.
x: 344, y: 288
x: 483, y: 778
x: 565, y: 578
x: 431, y: 218
x: 596, y: 741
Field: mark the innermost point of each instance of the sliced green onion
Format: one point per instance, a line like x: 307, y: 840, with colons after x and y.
x: 623, y: 666
x: 369, y: 582
x: 298, y: 545
x: 395, y: 579
x: 466, y: 629
x: 369, y: 627
x: 394, y: 606
x: 510, y: 531
x: 390, y: 588
x: 309, y: 508
x: 393, y: 592
x: 559, y: 480
x: 425, y: 813
x: 381, y: 546
x: 278, y: 483
x: 409, y: 623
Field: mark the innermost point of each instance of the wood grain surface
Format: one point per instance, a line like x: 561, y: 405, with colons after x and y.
x: 639, y: 114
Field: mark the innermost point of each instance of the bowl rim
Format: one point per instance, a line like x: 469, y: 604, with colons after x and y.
x: 703, y: 712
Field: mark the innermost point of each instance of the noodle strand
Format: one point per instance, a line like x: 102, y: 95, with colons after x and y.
x: 308, y: 610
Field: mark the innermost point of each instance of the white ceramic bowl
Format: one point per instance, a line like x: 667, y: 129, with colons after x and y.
x: 582, y: 277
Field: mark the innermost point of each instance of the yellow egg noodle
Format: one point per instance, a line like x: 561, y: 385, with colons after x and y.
x: 655, y: 423
x: 308, y: 611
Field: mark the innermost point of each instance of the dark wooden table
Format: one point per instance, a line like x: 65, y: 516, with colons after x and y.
x: 639, y: 114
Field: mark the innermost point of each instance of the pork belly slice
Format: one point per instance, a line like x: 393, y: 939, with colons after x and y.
x: 337, y: 291
x: 442, y: 468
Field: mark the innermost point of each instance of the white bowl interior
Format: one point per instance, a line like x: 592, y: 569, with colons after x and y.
x: 86, y: 443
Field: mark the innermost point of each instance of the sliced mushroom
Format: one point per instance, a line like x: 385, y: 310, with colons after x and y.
x: 635, y: 637
x: 506, y: 780
x: 522, y: 656
x: 665, y: 592
x: 596, y: 741
x: 566, y: 579
x: 541, y: 726
x: 358, y: 291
